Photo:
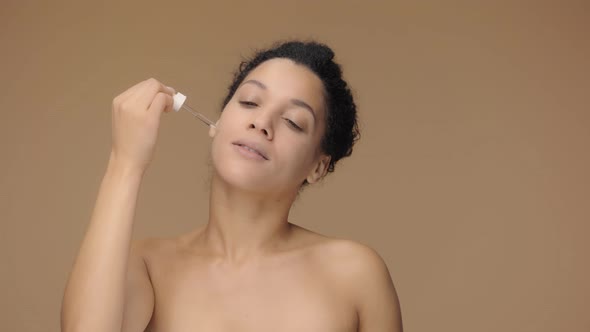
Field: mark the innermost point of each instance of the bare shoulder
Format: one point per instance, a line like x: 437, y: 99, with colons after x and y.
x: 352, y: 260
x: 363, y: 274
x: 355, y: 252
x: 347, y: 258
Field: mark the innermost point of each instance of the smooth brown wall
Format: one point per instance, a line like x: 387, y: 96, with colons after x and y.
x: 471, y: 178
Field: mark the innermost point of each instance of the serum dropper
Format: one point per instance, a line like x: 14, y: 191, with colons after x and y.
x: 179, y: 103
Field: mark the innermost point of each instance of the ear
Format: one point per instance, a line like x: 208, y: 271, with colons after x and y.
x: 213, y: 130
x: 320, y: 169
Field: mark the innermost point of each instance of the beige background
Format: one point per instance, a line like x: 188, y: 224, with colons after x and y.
x: 471, y: 178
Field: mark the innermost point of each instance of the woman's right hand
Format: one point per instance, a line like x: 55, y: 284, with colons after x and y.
x: 135, y: 122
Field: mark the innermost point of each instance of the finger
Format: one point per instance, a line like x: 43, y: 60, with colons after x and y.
x: 169, y: 104
x: 129, y: 92
x: 146, y: 94
x: 162, y: 103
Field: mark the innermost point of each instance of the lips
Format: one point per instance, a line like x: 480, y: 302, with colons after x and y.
x: 253, y: 147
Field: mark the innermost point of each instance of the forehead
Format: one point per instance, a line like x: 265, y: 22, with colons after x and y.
x: 286, y: 79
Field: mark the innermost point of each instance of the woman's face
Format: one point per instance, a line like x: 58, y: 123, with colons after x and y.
x: 268, y: 136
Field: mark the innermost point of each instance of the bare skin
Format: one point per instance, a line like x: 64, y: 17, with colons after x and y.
x: 248, y: 268
x: 306, y: 286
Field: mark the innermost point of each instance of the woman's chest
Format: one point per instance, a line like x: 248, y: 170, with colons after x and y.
x: 280, y: 297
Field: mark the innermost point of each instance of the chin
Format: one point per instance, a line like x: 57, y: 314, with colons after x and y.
x: 239, y: 178
x: 260, y: 177
x: 242, y: 175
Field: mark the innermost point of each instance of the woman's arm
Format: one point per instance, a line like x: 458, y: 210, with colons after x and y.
x: 108, y: 286
x: 95, y: 293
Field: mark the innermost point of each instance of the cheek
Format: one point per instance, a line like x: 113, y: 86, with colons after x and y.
x: 299, y: 157
x: 231, y: 118
x: 215, y: 155
x: 226, y: 123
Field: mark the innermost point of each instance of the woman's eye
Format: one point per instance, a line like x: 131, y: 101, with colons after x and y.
x: 248, y: 103
x: 293, y: 124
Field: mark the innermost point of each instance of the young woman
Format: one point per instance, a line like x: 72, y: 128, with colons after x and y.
x: 287, y: 119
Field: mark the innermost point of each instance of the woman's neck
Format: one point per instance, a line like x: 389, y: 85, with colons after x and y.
x: 244, y: 225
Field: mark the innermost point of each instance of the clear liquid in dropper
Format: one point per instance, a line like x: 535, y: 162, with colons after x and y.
x: 198, y: 115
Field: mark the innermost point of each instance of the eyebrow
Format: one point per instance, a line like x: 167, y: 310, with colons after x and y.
x: 294, y: 101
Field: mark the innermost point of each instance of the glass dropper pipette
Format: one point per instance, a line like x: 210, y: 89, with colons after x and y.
x: 179, y: 100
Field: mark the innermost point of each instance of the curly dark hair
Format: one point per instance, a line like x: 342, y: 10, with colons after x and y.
x: 341, y: 130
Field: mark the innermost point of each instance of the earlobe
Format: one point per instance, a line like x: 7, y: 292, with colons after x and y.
x: 320, y: 170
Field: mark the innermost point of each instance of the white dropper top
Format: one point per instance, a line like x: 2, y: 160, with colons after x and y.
x: 179, y: 100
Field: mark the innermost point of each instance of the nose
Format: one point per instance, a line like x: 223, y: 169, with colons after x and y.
x: 263, y: 123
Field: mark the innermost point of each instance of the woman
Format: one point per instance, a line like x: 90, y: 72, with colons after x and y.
x: 286, y: 121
